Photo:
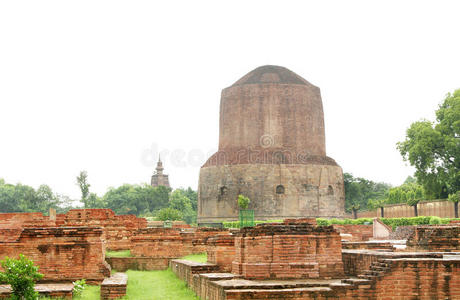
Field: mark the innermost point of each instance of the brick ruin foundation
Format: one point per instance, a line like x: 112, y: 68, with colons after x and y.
x: 62, y: 253
x: 295, y: 259
x: 267, y: 259
x: 288, y: 250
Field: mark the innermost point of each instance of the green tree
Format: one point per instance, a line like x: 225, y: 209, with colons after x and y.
x: 243, y: 202
x: 433, y: 148
x: 378, y: 203
x: 136, y: 199
x: 21, y: 274
x: 358, y: 191
x: 455, y: 198
x: 169, y: 214
x: 182, y: 203
x: 82, y: 182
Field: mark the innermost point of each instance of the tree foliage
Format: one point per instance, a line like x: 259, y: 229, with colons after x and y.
x: 23, y: 198
x: 433, y: 148
x: 21, y: 274
x: 243, y: 202
x: 82, y: 182
x: 359, y: 191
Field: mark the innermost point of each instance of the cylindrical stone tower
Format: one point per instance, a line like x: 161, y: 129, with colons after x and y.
x: 271, y: 149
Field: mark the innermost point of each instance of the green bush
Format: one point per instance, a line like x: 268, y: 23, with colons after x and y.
x: 393, y: 222
x: 78, y: 287
x: 169, y: 214
x: 243, y: 202
x: 21, y: 274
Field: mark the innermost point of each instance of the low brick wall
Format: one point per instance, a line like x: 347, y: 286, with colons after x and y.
x: 123, y: 264
x: 419, y: 278
x: 435, y: 238
x: 221, y: 251
x: 203, y: 290
x: 185, y: 269
x: 357, y: 262
x: 371, y: 245
x: 288, y: 250
x: 58, y: 290
x: 114, y: 287
x: 402, y: 232
x: 62, y: 253
x: 171, y: 242
x: 359, y: 233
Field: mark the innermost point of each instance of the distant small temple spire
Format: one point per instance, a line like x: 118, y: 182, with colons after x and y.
x: 158, y: 178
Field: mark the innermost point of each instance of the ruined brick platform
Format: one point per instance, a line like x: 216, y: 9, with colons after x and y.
x: 293, y: 249
x: 56, y: 290
x: 63, y: 254
x: 114, y: 287
x: 123, y: 264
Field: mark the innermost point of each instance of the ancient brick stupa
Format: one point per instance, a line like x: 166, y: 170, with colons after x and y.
x: 271, y: 149
x: 158, y: 178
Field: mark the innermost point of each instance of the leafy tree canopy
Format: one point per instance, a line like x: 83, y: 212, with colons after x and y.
x: 433, y: 148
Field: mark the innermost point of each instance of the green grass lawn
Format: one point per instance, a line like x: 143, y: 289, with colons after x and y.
x: 148, y: 285
x: 119, y: 253
x: 202, y: 257
x: 91, y: 292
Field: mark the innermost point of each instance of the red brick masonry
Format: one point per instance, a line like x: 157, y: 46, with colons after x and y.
x: 114, y: 287
x: 62, y: 253
x: 293, y: 249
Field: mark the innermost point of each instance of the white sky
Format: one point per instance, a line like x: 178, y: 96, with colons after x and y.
x: 97, y: 85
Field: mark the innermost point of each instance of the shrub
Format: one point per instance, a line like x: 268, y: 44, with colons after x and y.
x: 78, y: 287
x: 243, y: 202
x: 21, y: 274
x: 169, y: 214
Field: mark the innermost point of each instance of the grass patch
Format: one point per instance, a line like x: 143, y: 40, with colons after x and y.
x: 147, y: 285
x: 119, y: 253
x: 91, y: 292
x: 201, y: 258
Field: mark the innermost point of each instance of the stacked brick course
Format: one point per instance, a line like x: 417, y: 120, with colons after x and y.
x: 62, y: 253
x: 359, y: 233
x: 170, y: 242
x: 221, y: 251
x: 288, y: 250
x: 118, y: 228
x: 114, y: 287
x: 444, y: 238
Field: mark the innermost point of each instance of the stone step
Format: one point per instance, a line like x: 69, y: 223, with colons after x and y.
x: 356, y: 281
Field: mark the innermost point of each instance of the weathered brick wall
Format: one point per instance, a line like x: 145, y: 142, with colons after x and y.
x: 387, y: 246
x: 114, y: 287
x: 288, y: 250
x: 444, y: 238
x: 402, y: 232
x: 185, y: 269
x: 21, y: 220
x: 357, y: 262
x: 62, y: 253
x: 171, y: 242
x: 359, y: 232
x: 118, y: 228
x: 415, y: 278
x: 221, y: 251
x: 123, y: 264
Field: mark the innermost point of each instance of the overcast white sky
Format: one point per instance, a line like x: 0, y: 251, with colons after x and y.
x: 100, y: 85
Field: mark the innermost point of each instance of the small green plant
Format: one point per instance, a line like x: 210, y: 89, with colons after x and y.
x: 78, y: 287
x: 243, y: 202
x: 21, y: 274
